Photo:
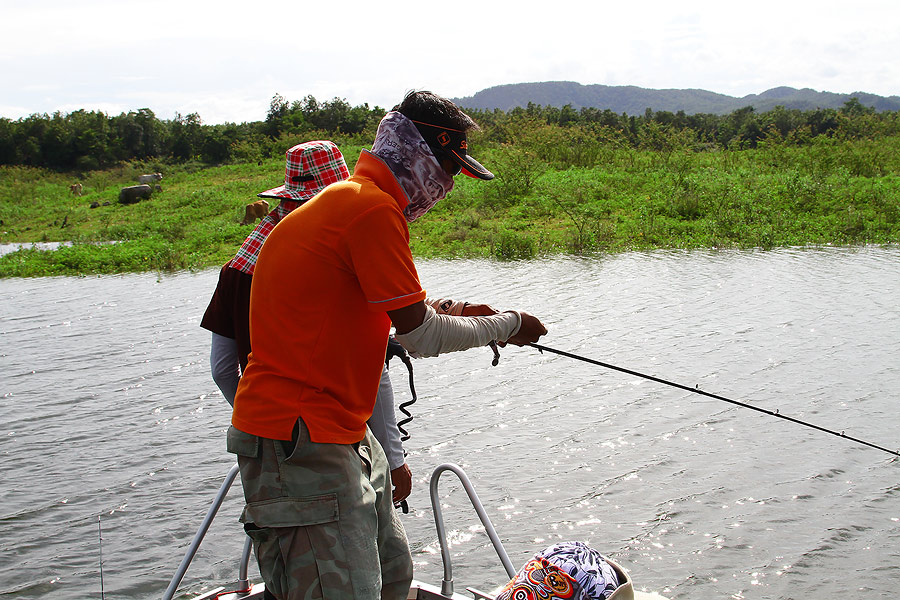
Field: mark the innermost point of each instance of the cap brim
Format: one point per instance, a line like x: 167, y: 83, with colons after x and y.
x: 282, y: 193
x: 472, y: 167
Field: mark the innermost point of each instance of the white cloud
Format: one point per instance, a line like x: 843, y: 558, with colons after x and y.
x: 225, y: 60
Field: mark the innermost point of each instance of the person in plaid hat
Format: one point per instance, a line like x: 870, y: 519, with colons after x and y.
x: 330, y: 282
x: 310, y: 167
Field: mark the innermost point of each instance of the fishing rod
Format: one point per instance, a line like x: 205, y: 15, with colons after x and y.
x: 697, y: 390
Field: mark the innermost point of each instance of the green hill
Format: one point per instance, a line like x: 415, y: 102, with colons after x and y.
x: 635, y: 100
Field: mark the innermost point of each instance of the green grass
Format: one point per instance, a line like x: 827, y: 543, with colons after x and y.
x: 644, y: 200
x: 829, y: 192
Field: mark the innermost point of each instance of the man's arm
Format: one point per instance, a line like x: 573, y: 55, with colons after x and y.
x: 224, y: 365
x: 425, y: 333
x: 407, y: 318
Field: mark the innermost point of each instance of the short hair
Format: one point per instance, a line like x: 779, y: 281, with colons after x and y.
x: 428, y: 107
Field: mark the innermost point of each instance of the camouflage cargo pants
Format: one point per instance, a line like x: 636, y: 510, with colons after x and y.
x: 321, y: 518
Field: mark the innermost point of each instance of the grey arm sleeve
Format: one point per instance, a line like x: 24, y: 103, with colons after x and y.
x: 439, y: 334
x: 383, y: 422
x: 224, y: 365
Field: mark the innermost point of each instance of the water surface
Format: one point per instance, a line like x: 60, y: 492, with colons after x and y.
x: 109, y: 417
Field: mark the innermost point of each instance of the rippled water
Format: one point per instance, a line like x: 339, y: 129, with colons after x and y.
x: 109, y: 417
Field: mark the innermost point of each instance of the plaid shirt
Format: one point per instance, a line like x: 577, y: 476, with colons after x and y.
x: 245, y: 259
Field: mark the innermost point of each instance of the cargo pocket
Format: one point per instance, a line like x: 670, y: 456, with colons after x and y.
x: 310, y: 544
x: 242, y: 444
x: 272, y: 567
x: 292, y: 512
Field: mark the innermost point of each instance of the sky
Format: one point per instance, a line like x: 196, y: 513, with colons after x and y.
x: 226, y: 60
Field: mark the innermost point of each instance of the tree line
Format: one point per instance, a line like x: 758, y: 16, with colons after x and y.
x: 741, y: 129
x: 89, y: 140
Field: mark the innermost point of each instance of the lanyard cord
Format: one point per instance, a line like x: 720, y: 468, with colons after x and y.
x: 395, y: 349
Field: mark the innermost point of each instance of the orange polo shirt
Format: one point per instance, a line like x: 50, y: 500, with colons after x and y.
x: 324, y: 280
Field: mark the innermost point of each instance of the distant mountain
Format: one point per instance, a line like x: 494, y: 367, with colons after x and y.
x: 635, y: 100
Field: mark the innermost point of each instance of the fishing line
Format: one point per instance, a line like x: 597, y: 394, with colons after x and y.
x: 697, y: 390
x: 100, y: 534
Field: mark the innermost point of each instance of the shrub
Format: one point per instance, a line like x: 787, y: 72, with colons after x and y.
x: 509, y: 245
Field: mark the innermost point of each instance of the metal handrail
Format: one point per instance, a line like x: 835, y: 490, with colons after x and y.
x: 447, y: 582
x: 243, y: 578
x: 198, y: 538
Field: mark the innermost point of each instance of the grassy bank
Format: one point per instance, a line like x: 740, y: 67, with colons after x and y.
x: 564, y: 198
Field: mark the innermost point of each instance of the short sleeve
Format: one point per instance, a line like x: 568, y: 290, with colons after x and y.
x: 218, y: 317
x: 378, y: 245
x: 228, y: 313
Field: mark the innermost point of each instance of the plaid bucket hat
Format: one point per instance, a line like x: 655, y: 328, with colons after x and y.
x: 309, y: 167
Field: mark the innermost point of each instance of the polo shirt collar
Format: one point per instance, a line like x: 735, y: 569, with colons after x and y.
x: 372, y: 167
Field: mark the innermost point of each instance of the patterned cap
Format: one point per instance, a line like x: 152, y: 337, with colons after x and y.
x: 309, y: 168
x: 572, y: 571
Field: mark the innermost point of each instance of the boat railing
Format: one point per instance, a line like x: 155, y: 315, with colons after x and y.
x: 243, y: 578
x: 447, y: 581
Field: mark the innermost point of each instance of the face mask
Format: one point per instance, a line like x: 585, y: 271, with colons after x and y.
x: 400, y: 145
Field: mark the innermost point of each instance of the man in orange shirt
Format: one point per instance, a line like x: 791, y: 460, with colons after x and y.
x: 309, y: 168
x: 331, y: 279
